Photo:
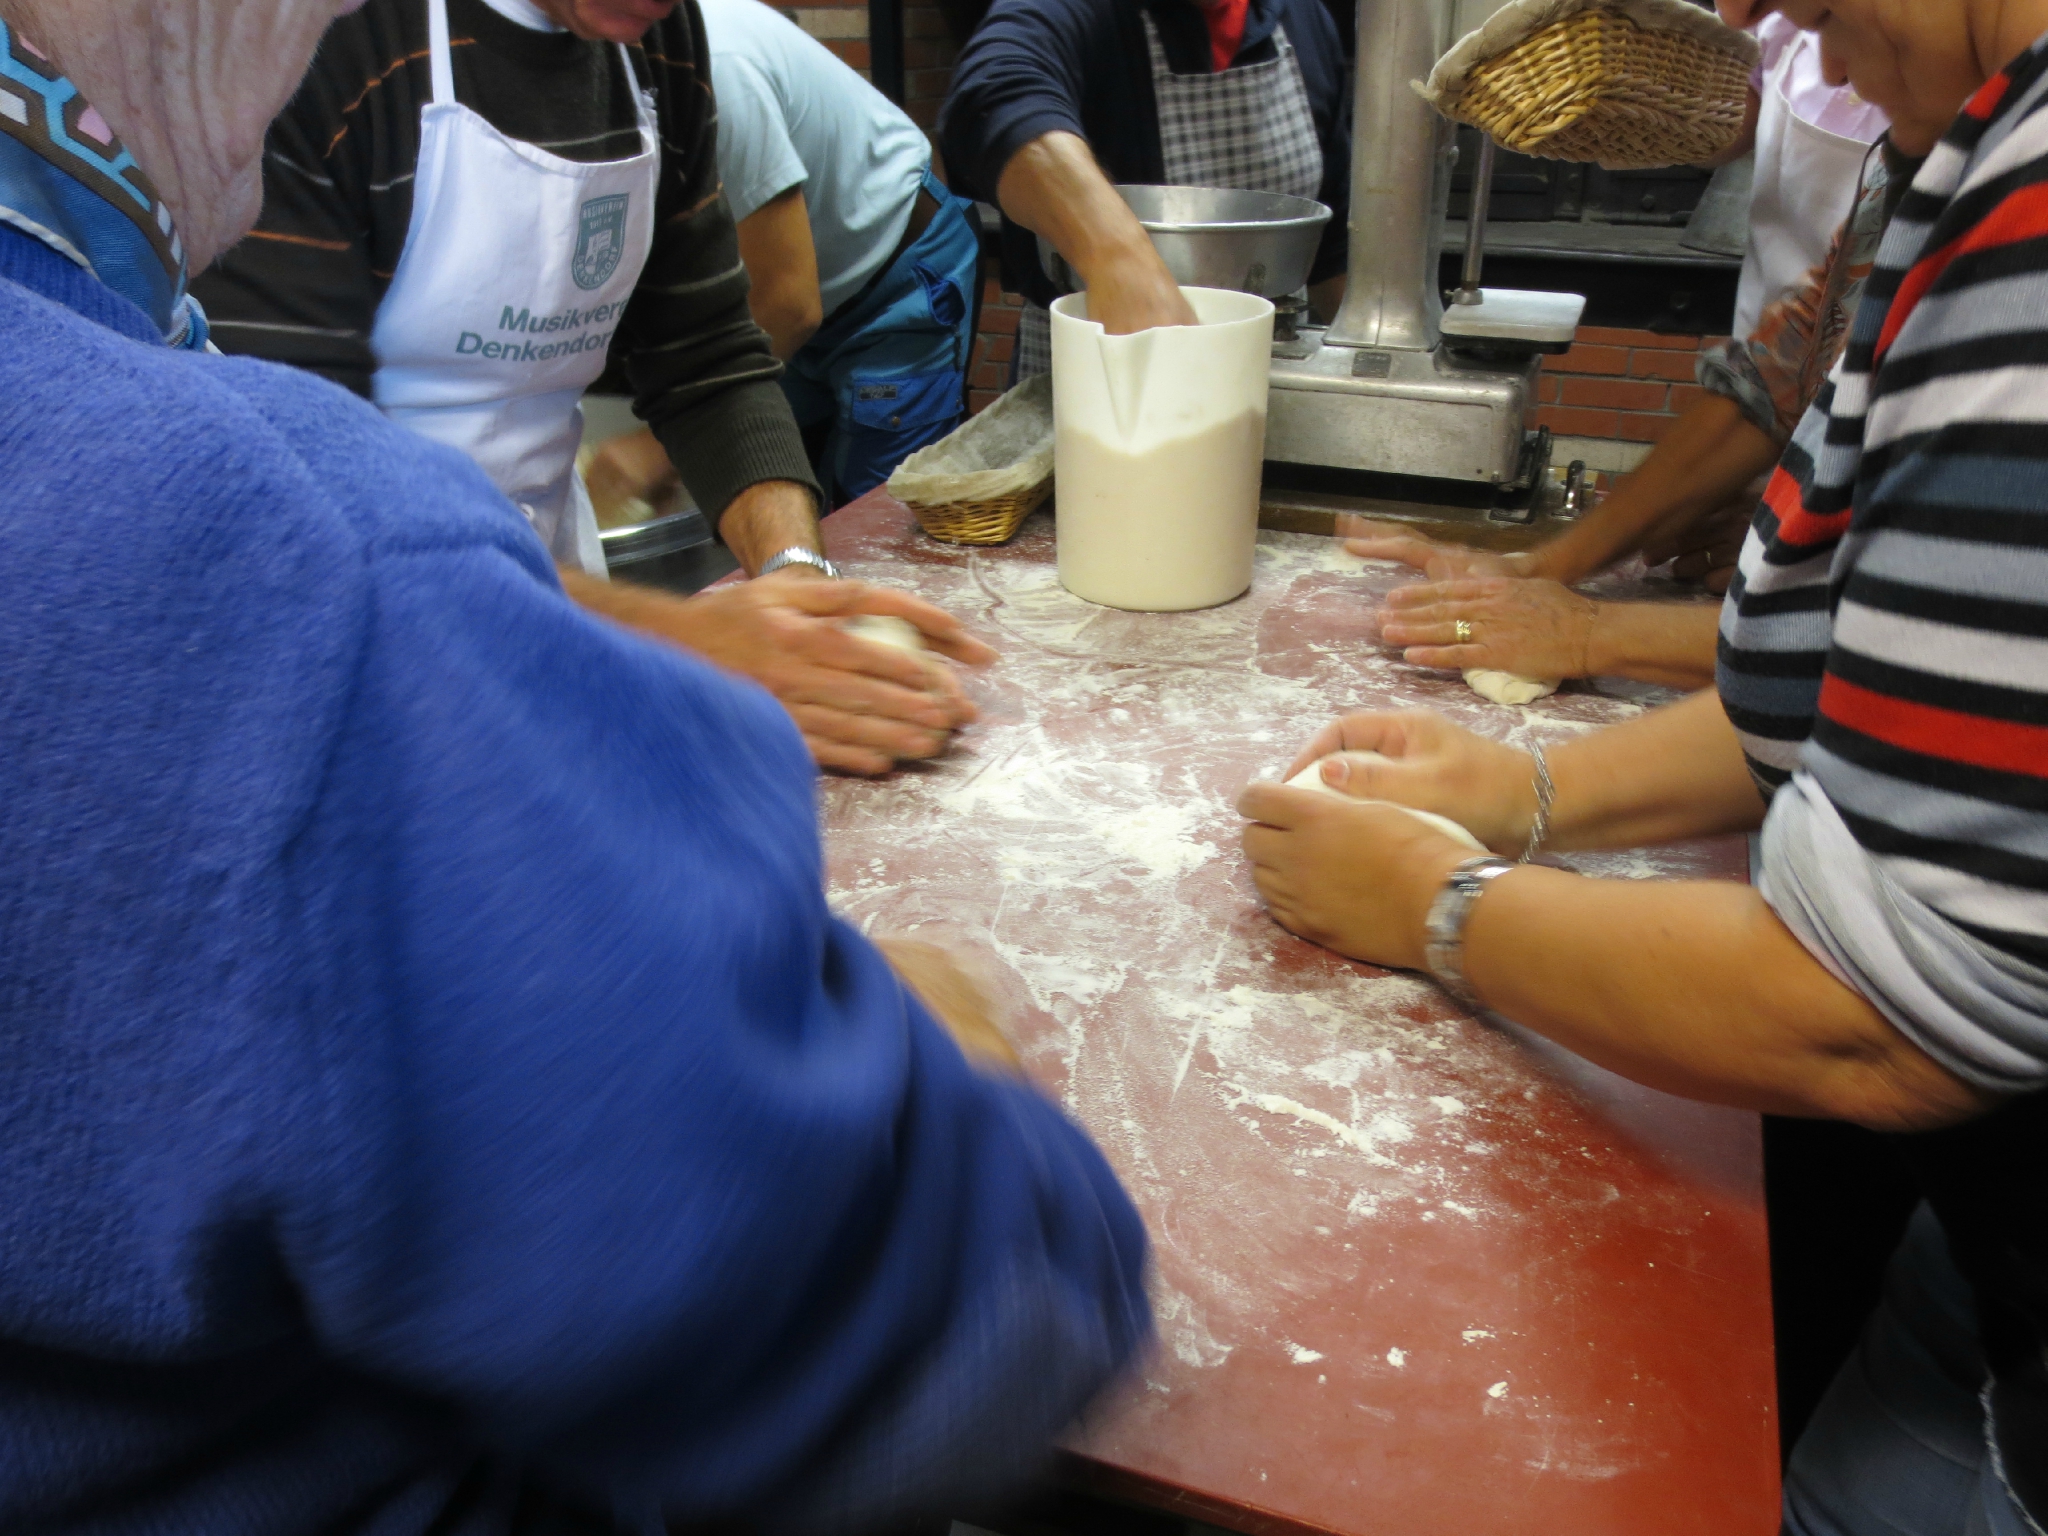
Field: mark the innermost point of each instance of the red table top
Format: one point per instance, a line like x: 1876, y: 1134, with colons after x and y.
x: 1415, y: 1272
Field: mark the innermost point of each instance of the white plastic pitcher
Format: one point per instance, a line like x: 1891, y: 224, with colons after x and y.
x: 1157, y: 440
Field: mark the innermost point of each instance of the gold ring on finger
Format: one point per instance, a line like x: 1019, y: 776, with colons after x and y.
x: 1464, y: 631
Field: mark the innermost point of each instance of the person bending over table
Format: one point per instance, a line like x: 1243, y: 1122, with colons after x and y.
x: 1054, y: 101
x: 438, y: 1097
x: 1690, y: 501
x: 862, y: 266
x: 468, y: 205
x: 1879, y: 717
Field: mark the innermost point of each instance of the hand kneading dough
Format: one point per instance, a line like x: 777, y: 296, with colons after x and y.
x: 886, y: 629
x: 1311, y: 777
x: 1508, y: 687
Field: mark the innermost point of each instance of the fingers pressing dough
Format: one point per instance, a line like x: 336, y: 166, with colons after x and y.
x: 1311, y: 777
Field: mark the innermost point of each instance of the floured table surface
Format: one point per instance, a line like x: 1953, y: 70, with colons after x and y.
x: 1416, y: 1272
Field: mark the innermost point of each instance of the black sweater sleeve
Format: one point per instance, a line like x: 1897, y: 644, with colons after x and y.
x: 1035, y: 67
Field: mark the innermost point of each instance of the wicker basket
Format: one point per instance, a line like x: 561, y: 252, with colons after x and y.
x: 994, y: 521
x: 1625, y: 84
x: 979, y: 483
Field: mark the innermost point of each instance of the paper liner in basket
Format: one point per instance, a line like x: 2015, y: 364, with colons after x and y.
x: 1005, y: 451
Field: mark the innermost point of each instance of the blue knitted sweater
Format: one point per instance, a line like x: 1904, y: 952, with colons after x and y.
x: 431, y: 1082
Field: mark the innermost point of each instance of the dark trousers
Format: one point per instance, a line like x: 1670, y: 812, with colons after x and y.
x: 1897, y: 1446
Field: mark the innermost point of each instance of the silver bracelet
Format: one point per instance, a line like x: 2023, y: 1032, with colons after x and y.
x: 1444, y: 951
x: 1546, y: 797
x: 796, y: 554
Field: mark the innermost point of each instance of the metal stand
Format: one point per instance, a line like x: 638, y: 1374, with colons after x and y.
x: 1475, y: 226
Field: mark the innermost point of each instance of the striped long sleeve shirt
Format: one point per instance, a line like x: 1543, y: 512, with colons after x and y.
x: 1884, y: 659
x: 304, y: 286
x: 1884, y: 647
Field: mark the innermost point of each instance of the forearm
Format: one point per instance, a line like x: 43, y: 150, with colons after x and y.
x: 1673, y: 773
x: 788, y: 320
x: 1667, y: 643
x: 782, y: 272
x: 1054, y: 188
x: 637, y: 607
x: 724, y: 441
x: 703, y: 375
x: 767, y: 518
x: 1696, y: 988
x: 1710, y: 454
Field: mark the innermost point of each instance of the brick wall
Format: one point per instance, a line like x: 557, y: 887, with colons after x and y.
x: 928, y: 48
x: 995, y: 345
x: 928, y: 54
x: 1626, y: 386
x: 841, y: 25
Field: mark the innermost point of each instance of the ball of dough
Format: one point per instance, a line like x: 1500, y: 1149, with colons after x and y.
x: 1508, y: 687
x: 1311, y: 777
x: 886, y: 629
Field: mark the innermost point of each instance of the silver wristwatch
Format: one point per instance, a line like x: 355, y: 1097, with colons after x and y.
x: 796, y: 554
x: 1444, y: 954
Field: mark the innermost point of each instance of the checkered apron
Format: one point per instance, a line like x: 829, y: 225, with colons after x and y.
x: 1248, y: 128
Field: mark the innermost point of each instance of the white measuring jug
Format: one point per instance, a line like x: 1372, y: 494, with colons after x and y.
x: 1157, y: 441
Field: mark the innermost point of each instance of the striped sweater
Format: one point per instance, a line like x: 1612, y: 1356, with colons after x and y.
x: 1888, y: 632
x: 304, y: 287
x: 1884, y: 658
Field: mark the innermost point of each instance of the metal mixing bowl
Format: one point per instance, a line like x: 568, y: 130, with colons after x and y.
x: 675, y: 551
x: 1213, y: 237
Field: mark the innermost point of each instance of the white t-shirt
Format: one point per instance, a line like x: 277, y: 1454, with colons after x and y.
x: 790, y: 114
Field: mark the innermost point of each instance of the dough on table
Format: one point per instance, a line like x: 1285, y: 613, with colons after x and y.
x: 1508, y: 687
x: 1311, y: 777
x: 886, y: 629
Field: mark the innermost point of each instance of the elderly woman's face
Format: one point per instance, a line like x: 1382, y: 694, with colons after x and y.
x: 1914, y: 58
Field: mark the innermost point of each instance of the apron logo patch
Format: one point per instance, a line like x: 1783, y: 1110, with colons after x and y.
x: 874, y: 391
x: 600, y: 240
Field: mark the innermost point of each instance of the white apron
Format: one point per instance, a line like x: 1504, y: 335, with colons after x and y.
x: 516, y: 268
x: 1804, y: 187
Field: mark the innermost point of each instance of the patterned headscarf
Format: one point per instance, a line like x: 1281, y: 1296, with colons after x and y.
x: 69, y: 182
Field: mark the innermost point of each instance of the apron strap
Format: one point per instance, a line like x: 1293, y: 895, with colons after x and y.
x: 1152, y: 46
x: 437, y: 51
x: 643, y: 98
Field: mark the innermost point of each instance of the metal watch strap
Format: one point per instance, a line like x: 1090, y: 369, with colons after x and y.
x: 796, y: 554
x: 1444, y: 953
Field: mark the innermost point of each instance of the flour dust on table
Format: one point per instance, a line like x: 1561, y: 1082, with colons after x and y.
x: 1311, y: 777
x: 1333, y: 1159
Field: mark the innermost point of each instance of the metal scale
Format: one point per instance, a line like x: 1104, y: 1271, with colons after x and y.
x: 1400, y: 388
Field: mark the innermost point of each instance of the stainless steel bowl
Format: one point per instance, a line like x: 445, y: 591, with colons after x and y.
x: 1213, y: 237
x: 672, y: 551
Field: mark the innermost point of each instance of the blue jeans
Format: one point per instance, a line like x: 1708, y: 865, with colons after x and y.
x: 1897, y: 1446
x: 887, y: 373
